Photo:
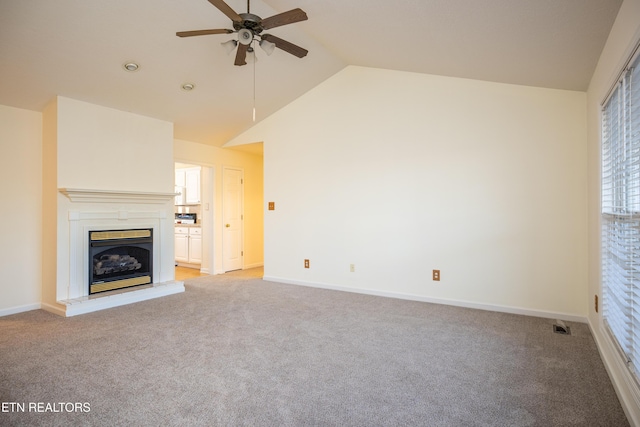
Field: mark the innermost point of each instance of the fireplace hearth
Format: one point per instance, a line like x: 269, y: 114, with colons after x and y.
x: 120, y: 259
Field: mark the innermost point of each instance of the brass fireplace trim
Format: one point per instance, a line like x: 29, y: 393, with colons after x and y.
x: 118, y: 284
x: 119, y: 234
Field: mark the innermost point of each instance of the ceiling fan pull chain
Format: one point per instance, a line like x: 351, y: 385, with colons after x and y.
x: 254, y: 81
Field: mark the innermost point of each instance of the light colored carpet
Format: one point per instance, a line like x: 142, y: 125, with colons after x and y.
x: 234, y: 350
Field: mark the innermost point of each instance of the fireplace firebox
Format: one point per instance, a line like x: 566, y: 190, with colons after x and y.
x: 120, y: 259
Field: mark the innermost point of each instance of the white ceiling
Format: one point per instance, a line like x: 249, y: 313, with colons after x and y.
x: 76, y: 49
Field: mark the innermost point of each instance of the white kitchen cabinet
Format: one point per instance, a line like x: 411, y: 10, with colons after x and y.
x: 195, y: 245
x: 188, y: 245
x: 182, y: 244
x: 192, y: 184
x: 188, y: 182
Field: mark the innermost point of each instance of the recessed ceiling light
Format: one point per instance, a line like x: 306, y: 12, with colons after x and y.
x: 131, y: 66
x: 188, y: 86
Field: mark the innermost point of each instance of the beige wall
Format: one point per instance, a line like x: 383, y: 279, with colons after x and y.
x: 20, y: 216
x: 50, y: 201
x: 217, y: 159
x: 402, y: 173
x: 100, y: 148
x: 624, y: 35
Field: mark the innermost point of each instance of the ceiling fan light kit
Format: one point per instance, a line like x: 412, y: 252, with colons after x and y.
x: 251, y: 56
x: 267, y: 46
x: 249, y: 28
x: 229, y: 45
x: 245, y: 36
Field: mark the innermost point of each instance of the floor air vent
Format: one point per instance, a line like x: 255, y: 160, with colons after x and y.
x: 561, y: 328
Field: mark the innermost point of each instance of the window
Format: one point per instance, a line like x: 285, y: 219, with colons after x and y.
x: 621, y: 213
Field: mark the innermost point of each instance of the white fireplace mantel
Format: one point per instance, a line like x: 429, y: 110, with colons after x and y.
x: 109, y: 196
x: 86, y: 210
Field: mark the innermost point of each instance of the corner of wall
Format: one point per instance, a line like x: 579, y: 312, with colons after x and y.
x: 49, y: 201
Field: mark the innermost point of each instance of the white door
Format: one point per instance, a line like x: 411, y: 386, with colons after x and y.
x: 232, y: 219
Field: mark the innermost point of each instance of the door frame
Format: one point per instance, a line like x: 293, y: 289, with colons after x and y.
x: 207, y: 208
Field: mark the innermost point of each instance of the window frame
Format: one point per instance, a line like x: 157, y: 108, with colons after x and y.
x: 620, y: 213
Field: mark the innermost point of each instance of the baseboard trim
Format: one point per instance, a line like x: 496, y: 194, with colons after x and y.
x: 189, y: 265
x: 57, y: 309
x: 625, y: 386
x: 256, y: 265
x: 444, y: 301
x: 19, y: 309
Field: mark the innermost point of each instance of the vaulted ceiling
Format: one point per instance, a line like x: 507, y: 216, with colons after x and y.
x: 77, y: 48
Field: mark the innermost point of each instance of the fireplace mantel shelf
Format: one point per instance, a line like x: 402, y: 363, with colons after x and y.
x: 108, y: 196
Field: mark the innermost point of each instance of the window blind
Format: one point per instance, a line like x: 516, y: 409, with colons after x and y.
x: 621, y: 214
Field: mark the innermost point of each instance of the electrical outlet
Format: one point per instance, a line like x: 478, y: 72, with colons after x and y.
x: 436, y: 275
x: 306, y: 263
x: 352, y: 268
x: 272, y: 206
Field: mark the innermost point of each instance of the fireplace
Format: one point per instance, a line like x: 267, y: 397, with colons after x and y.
x: 120, y: 259
x: 137, y: 227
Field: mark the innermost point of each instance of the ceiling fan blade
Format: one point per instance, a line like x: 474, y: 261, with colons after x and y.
x: 241, y: 55
x: 295, y: 15
x: 202, y: 33
x: 285, y: 45
x: 224, y: 8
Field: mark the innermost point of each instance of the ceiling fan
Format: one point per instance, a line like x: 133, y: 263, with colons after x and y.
x: 250, y: 27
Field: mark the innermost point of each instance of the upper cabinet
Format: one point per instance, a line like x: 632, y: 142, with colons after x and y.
x: 188, y: 183
x: 192, y: 182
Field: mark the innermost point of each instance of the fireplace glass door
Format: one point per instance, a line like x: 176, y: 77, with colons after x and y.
x: 120, y: 259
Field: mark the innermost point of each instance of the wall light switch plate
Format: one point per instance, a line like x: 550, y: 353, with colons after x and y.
x: 436, y: 275
x: 272, y: 206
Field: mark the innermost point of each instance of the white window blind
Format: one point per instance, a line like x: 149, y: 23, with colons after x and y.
x: 621, y: 214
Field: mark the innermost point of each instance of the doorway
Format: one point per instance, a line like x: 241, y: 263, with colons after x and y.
x: 193, y: 236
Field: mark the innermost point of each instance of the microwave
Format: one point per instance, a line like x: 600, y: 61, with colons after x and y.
x: 186, y: 218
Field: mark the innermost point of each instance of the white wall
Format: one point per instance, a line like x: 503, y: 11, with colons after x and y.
x: 218, y: 158
x: 402, y: 173
x: 623, y: 37
x: 20, y: 216
x: 100, y: 148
